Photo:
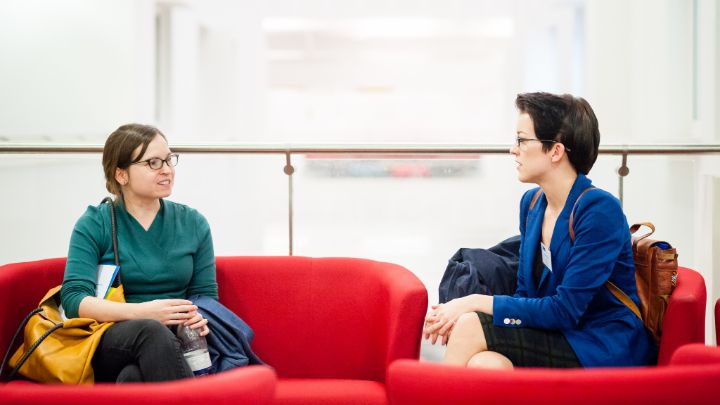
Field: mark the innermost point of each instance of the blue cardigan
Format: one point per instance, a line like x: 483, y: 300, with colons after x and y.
x: 572, y: 297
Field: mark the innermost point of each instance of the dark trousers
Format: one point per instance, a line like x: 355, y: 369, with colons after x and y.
x: 137, y: 351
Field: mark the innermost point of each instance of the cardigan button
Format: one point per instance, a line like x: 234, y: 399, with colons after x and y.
x: 506, y: 321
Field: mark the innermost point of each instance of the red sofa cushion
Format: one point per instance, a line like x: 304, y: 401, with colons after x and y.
x: 319, y: 391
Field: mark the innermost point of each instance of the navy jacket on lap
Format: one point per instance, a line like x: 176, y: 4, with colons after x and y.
x: 230, y: 337
x: 482, y: 271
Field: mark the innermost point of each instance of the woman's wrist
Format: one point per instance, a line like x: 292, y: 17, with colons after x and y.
x: 135, y: 311
x: 480, y: 303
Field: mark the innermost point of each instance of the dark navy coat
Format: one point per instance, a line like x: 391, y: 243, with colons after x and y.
x: 572, y: 297
x: 230, y: 337
x: 481, y: 271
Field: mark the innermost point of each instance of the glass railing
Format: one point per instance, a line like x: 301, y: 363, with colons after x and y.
x: 414, y: 205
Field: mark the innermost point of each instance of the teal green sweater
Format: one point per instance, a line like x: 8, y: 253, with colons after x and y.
x: 173, y: 259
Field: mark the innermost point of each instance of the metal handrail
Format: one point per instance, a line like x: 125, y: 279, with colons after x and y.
x: 359, y: 149
x: 378, y: 149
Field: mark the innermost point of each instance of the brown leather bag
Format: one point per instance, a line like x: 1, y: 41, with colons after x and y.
x: 655, y: 275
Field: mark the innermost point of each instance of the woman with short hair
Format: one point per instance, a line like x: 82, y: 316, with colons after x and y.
x: 562, y: 313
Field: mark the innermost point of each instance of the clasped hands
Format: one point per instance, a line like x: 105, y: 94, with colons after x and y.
x: 176, y: 312
x: 441, y: 319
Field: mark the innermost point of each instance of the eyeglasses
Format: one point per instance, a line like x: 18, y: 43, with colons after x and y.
x: 520, y: 142
x: 157, y: 163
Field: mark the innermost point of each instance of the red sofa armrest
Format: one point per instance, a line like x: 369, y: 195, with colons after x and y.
x: 684, y: 320
x: 416, y: 383
x: 407, y: 305
x: 695, y: 354
x: 247, y: 385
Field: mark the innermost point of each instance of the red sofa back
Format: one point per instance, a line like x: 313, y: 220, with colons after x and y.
x: 326, y: 317
x: 684, y: 320
x: 22, y: 286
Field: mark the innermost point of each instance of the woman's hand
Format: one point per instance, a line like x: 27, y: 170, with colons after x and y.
x: 433, y: 337
x: 197, y: 321
x: 442, y: 317
x: 167, y: 311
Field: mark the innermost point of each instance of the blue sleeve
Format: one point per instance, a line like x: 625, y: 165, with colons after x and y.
x: 203, y: 281
x: 86, y: 249
x: 521, y: 290
x: 600, y: 232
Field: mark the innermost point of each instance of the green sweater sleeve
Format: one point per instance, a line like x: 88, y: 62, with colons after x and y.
x: 88, y: 244
x: 203, y: 280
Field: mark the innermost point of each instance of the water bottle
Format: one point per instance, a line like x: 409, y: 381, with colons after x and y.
x: 195, y: 350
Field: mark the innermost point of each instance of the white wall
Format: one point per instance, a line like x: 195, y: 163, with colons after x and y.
x: 72, y: 70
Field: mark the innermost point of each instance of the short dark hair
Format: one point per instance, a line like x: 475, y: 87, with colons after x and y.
x: 119, y: 147
x: 566, y: 119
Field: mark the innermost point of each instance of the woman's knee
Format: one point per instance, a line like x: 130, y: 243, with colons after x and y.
x: 468, y: 324
x: 490, y: 360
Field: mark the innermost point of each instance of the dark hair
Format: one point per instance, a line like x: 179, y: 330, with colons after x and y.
x: 566, y: 119
x: 119, y: 147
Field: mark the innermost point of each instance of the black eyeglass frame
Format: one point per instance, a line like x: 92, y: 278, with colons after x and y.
x: 171, y: 160
x: 520, y: 140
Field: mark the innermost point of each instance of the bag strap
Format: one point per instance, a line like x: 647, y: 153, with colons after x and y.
x: 572, y: 213
x: 113, y: 225
x: 6, y: 358
x: 532, y: 203
x: 620, y: 294
x: 615, y: 290
x: 34, y: 346
x: 534, y: 199
x: 637, y: 226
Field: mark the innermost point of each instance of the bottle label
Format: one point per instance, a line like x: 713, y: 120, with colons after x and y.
x: 198, y: 360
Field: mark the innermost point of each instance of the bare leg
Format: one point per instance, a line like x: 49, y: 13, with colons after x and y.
x: 466, y: 340
x: 490, y: 360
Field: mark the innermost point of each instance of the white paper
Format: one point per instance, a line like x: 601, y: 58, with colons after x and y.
x: 105, y: 275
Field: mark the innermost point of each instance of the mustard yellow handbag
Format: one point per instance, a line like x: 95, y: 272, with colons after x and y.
x: 57, y: 350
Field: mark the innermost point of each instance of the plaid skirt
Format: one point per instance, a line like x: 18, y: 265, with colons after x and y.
x: 529, y: 347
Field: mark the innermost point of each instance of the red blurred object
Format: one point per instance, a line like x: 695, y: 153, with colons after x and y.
x: 681, y: 382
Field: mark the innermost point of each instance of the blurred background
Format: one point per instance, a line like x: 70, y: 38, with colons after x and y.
x: 348, y: 73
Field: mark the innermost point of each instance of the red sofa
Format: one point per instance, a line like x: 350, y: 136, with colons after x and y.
x: 329, y: 327
x: 692, y: 377
x: 412, y: 382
